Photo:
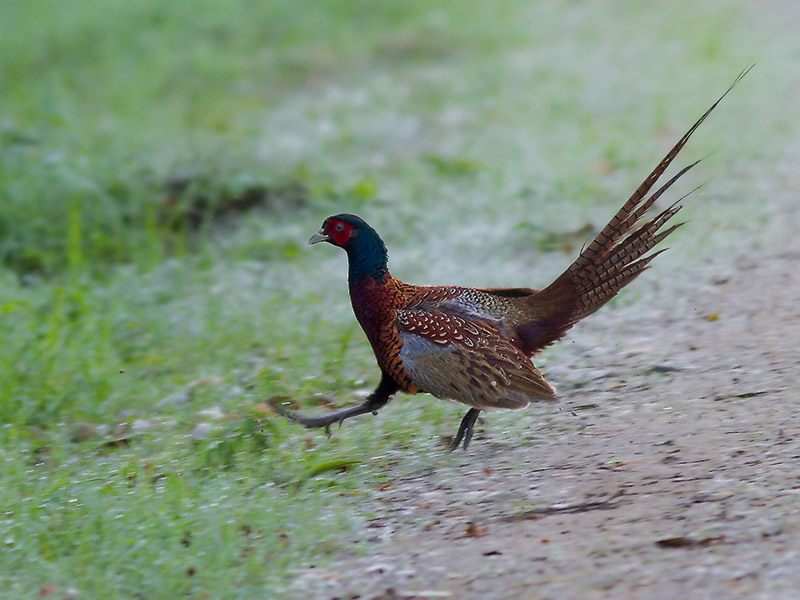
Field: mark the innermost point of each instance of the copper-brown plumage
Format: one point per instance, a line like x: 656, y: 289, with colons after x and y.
x: 475, y: 345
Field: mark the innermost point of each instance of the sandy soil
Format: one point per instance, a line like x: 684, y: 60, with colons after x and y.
x: 670, y: 469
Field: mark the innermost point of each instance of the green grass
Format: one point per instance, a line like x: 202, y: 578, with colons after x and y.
x: 469, y: 131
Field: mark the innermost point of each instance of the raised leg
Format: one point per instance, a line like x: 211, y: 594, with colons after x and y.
x: 371, y: 404
x: 465, y: 429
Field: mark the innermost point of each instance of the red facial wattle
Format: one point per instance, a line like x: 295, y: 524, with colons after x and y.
x: 339, y: 232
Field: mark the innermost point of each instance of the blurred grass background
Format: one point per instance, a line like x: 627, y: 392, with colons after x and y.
x: 163, y: 164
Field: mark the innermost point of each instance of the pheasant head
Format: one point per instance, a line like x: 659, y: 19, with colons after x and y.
x: 366, y: 253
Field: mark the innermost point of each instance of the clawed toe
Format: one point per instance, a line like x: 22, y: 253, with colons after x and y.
x: 465, y: 429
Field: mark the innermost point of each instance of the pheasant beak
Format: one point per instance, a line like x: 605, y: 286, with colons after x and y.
x: 317, y: 238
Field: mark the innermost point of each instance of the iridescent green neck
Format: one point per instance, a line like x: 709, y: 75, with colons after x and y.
x: 367, y: 257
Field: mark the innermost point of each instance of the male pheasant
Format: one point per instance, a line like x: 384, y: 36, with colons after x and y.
x: 475, y: 345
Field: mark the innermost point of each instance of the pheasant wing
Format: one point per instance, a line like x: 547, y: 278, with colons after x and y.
x: 468, y: 361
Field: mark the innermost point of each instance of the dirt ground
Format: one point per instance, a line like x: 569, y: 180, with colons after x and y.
x: 670, y: 468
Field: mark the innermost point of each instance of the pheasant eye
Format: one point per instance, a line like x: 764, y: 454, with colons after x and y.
x: 339, y: 227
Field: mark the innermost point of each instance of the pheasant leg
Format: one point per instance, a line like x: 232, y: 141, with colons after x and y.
x: 465, y: 429
x: 371, y: 404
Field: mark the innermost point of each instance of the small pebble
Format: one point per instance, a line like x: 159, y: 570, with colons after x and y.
x: 176, y: 399
x: 82, y: 432
x: 201, y: 431
x: 215, y: 412
x: 140, y: 426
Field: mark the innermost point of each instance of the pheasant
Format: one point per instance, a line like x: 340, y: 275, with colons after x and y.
x: 475, y: 345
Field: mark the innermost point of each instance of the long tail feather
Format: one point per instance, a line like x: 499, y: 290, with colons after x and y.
x: 621, y: 223
x: 615, y: 257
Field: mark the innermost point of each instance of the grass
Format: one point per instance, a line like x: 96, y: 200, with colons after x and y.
x: 133, y: 134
